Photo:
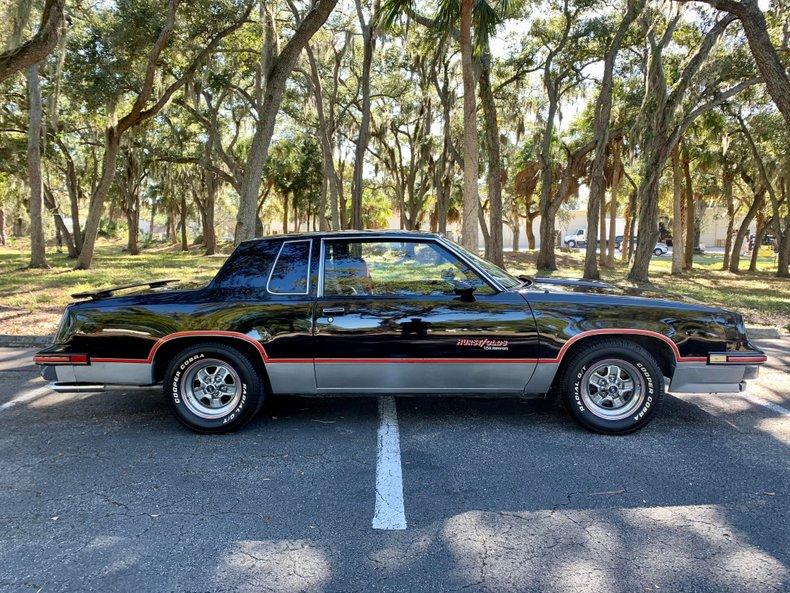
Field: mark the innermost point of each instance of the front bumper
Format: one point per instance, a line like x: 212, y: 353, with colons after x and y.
x: 712, y: 378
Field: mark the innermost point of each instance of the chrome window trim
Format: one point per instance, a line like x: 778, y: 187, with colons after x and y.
x: 450, y: 246
x: 309, y: 265
x: 436, y: 240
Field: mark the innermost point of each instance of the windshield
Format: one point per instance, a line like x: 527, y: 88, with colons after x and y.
x: 505, y: 279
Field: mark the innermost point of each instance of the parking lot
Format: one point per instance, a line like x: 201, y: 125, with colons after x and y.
x: 107, y: 492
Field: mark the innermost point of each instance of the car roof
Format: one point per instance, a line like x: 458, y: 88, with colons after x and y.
x: 349, y: 233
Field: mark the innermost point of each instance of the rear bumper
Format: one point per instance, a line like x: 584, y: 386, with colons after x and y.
x: 712, y: 378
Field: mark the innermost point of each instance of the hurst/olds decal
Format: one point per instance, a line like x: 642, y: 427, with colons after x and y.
x: 483, y: 343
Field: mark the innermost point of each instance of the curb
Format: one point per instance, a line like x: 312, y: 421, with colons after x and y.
x: 763, y: 332
x: 8, y: 341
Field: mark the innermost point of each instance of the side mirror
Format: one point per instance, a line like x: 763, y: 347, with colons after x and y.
x: 466, y: 291
x: 527, y: 280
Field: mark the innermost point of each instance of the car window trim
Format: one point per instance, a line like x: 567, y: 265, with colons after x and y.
x: 451, y: 248
x: 388, y: 238
x: 309, y: 265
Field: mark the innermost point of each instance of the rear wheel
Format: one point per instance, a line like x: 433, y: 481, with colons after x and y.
x: 658, y: 251
x: 213, y: 388
x: 572, y: 244
x: 612, y: 387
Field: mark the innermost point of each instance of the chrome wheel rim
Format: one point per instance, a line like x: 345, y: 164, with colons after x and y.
x: 613, y: 389
x: 211, y: 388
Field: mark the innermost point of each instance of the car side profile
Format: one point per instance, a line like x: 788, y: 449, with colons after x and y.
x: 389, y: 312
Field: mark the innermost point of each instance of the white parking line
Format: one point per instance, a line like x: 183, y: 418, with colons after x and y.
x: 762, y: 402
x: 389, y: 512
x: 25, y: 396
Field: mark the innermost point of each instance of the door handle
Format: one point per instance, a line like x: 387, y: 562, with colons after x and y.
x: 333, y: 310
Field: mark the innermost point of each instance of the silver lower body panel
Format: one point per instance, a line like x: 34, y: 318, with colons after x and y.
x: 693, y: 377
x: 399, y: 377
x: 102, y: 373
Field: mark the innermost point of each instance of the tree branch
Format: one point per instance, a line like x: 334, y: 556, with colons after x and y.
x: 39, y: 46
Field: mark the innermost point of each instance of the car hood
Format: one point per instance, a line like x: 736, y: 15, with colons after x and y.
x: 595, y: 287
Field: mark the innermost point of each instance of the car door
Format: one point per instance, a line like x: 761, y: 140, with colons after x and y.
x: 397, y: 314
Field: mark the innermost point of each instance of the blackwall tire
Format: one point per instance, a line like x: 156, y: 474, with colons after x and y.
x: 594, y: 387
x: 572, y: 244
x: 213, y: 388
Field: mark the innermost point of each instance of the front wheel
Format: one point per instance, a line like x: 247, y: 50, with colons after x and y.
x: 572, y: 244
x: 612, y: 387
x: 658, y: 251
x: 213, y: 388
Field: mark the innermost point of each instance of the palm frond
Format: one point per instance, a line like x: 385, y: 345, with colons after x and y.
x: 391, y: 11
x: 447, y: 15
x: 486, y: 21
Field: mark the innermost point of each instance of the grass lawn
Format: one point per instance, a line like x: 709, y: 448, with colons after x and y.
x: 31, y: 301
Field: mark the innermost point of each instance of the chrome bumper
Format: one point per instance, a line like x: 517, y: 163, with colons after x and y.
x: 711, y: 378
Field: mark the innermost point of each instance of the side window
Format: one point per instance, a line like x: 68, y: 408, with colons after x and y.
x: 248, y: 267
x: 291, y: 272
x: 394, y: 268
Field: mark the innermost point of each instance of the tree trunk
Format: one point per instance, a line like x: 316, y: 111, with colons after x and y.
x: 2, y: 227
x: 73, y: 187
x: 39, y: 46
x: 530, y: 234
x: 648, y: 210
x: 172, y: 232
x: 603, y: 111
x: 628, y: 232
x: 184, y: 243
x: 327, y: 153
x: 151, y: 226
x: 735, y: 255
x: 62, y: 231
x: 133, y: 223
x: 602, y: 234
x: 481, y: 219
x: 276, y: 78
x: 368, y: 47
x: 495, y: 246
x: 471, y: 202
x: 38, y: 257
x: 516, y: 230
x: 617, y: 177
x: 783, y: 256
x: 677, y: 214
x: 691, y: 216
x: 727, y: 179
x: 207, y: 214
x: 762, y: 226
x: 546, y: 257
x: 769, y: 64
x: 286, y: 205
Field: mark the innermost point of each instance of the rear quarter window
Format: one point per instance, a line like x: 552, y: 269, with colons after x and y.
x: 248, y: 267
x: 291, y: 271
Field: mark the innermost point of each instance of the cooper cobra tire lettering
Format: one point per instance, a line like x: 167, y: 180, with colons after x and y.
x: 250, y: 381
x: 642, y: 362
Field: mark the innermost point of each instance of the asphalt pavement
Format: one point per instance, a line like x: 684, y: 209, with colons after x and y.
x: 107, y: 492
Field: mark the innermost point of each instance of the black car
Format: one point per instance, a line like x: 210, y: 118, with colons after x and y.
x: 394, y: 312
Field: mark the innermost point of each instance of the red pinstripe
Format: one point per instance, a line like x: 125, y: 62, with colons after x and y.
x: 267, y: 360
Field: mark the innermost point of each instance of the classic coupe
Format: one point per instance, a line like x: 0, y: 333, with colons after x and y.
x: 377, y: 312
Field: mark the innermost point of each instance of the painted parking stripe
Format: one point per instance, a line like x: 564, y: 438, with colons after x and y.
x: 389, y: 512
x: 25, y: 396
x: 762, y: 402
